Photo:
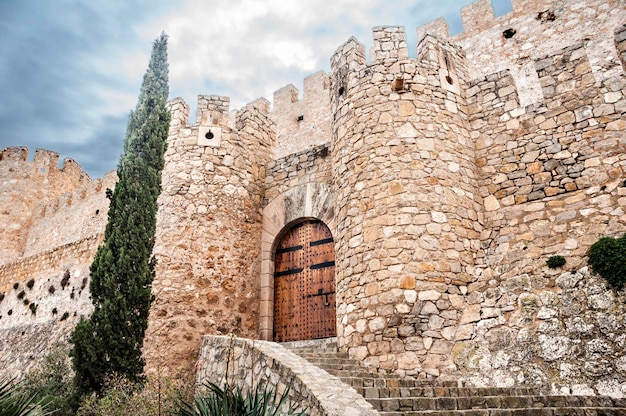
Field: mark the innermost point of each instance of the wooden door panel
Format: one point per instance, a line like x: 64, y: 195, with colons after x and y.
x: 304, y: 284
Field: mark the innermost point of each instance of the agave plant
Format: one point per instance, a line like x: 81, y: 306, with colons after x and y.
x: 12, y: 403
x: 233, y: 401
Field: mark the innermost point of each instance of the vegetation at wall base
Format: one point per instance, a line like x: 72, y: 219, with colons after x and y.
x: 52, y: 381
x: 110, y: 341
x: 122, y: 397
x: 607, y: 257
x: 13, y: 402
x: 233, y: 401
x: 554, y: 262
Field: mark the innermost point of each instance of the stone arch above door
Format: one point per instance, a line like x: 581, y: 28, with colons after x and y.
x: 310, y: 201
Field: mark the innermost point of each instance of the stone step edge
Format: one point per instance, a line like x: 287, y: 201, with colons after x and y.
x: 545, y: 411
x: 494, y: 402
x: 450, y: 392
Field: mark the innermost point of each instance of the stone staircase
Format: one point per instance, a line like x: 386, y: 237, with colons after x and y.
x: 394, y: 396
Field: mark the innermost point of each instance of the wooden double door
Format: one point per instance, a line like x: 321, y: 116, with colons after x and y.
x: 304, y: 284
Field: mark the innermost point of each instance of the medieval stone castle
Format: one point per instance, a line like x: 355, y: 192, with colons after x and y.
x: 405, y: 205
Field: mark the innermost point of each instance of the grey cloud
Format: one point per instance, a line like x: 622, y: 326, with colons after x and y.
x: 70, y: 70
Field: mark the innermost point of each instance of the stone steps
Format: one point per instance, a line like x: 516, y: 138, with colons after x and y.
x: 490, y: 402
x: 546, y: 411
x: 395, y: 396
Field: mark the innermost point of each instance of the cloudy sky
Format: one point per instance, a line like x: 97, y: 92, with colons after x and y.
x: 70, y: 70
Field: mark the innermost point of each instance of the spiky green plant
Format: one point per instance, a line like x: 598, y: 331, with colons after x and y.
x: 14, y: 403
x: 233, y: 401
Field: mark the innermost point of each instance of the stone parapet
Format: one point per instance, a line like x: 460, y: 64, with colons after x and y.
x: 208, y: 235
x: 27, y: 185
x: 302, y: 123
x: 248, y: 364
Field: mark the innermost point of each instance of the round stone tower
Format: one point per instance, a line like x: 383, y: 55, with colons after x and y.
x: 208, y: 229
x: 408, y: 212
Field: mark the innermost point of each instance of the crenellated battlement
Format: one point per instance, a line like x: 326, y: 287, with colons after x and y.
x: 29, y: 184
x: 446, y: 181
x: 15, y: 153
x: 532, y: 30
x: 93, y: 188
x: 305, y: 122
x: 389, y: 44
x: 45, y: 163
x: 439, y: 63
x: 215, y: 123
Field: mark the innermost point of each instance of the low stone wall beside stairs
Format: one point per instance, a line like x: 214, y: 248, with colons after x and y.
x: 328, y: 382
x: 249, y: 363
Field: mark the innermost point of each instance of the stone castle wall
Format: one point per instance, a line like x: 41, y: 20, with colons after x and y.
x: 25, y: 186
x: 447, y: 181
x: 409, y: 216
x: 302, y: 123
x: 209, y: 229
x: 540, y: 175
x: 59, y: 293
x: 55, y: 219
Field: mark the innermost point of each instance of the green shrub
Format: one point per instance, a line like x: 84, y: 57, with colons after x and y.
x: 33, y: 308
x: 65, y: 316
x: 232, y: 400
x: 21, y: 295
x: 607, y: 257
x: 16, y: 285
x: 13, y: 402
x: 2, y: 296
x: 554, y: 262
x: 54, y: 311
x: 52, y: 381
x: 123, y: 397
x: 30, y: 284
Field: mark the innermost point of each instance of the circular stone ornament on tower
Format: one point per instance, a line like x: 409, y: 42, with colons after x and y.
x: 209, y: 136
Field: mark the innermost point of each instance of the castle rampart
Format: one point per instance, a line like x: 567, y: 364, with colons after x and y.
x: 446, y: 182
x: 302, y: 123
x: 35, y: 316
x: 209, y: 229
x: 531, y: 30
x: 408, y: 215
x: 72, y: 217
x: 26, y: 185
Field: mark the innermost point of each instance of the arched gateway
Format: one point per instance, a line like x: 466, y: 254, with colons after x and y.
x: 304, y: 283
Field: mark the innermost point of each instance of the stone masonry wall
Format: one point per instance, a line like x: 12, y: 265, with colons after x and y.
x: 52, y: 231
x: 447, y: 180
x: 59, y: 293
x: 72, y: 217
x: 248, y: 364
x: 208, y: 229
x: 25, y: 186
x: 552, y: 172
x: 409, y: 218
x: 532, y: 30
x: 303, y: 123
x: 307, y: 166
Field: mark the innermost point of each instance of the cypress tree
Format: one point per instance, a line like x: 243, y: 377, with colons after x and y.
x: 111, y: 340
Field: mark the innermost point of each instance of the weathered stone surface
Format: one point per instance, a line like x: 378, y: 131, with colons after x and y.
x: 447, y: 181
